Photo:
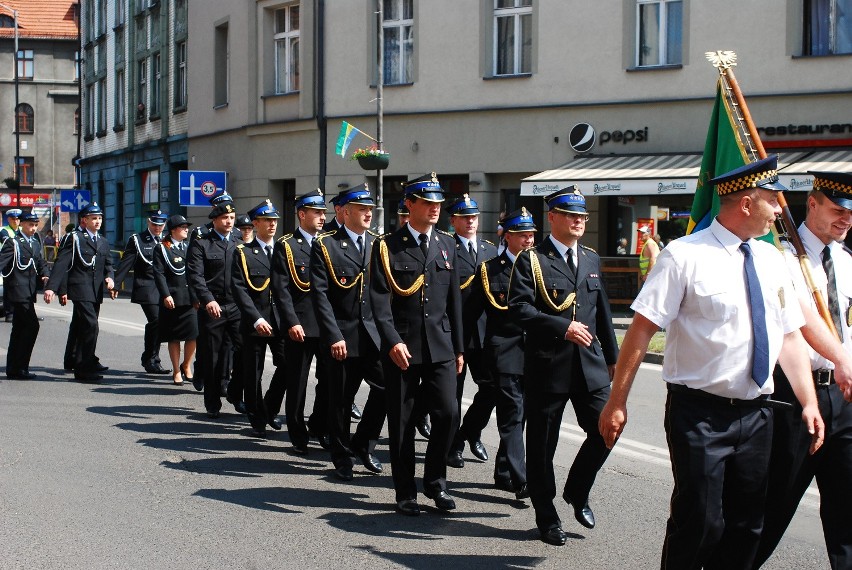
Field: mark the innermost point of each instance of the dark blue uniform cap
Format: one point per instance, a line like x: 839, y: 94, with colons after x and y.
x: 402, y: 209
x: 219, y: 199
x: 837, y: 186
x: 91, y: 210
x: 426, y: 188
x: 313, y: 199
x: 14, y: 213
x: 356, y: 195
x: 176, y: 221
x: 519, y: 221
x: 463, y: 206
x: 158, y: 218
x: 28, y: 217
x: 243, y: 221
x: 761, y: 173
x: 264, y: 210
x: 568, y: 199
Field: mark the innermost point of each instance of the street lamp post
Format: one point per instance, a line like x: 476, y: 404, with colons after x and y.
x: 17, y: 104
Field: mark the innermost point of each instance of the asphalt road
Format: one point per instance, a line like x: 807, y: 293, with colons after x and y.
x: 132, y: 474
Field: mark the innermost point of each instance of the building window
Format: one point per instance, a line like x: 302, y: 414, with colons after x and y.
x: 512, y: 37
x: 25, y: 119
x: 102, y: 106
x: 221, y: 58
x: 26, y: 165
x: 76, y: 66
x: 659, y: 32
x: 155, y: 84
x: 398, y: 27
x: 180, y: 79
x: 119, y: 13
x: 102, y: 19
x: 90, y: 110
x: 120, y: 98
x: 287, y: 49
x: 90, y: 21
x: 142, y: 88
x: 827, y: 27
x: 77, y: 120
x: 26, y: 64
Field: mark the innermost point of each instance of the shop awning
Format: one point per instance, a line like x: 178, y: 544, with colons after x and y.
x: 795, y: 176
x: 626, y: 175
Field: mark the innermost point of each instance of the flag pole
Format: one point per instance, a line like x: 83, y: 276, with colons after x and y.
x: 724, y: 62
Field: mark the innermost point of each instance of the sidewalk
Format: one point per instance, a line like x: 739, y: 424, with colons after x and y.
x: 621, y: 322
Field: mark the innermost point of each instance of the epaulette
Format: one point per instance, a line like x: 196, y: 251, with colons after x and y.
x: 448, y: 234
x: 489, y: 242
x: 241, y: 246
x: 329, y: 233
x: 374, y: 234
x: 587, y: 247
x: 285, y: 237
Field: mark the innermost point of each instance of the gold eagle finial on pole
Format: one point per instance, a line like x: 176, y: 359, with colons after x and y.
x: 722, y: 60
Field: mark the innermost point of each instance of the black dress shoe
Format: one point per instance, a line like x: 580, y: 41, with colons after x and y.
x: 478, y: 450
x: 455, y: 459
x: 555, y: 536
x: 157, y: 369
x: 582, y: 513
x: 408, y: 507
x: 275, y: 424
x: 198, y: 383
x: 299, y: 449
x: 442, y: 499
x: 324, y: 442
x: 213, y: 415
x: 504, y: 485
x: 344, y: 473
x: 23, y: 375
x: 356, y: 413
x: 88, y: 377
x: 369, y: 460
x: 522, y: 492
x: 100, y: 367
x: 424, y: 429
x: 240, y: 407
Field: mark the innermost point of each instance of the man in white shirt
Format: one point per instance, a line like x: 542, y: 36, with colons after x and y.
x: 730, y: 311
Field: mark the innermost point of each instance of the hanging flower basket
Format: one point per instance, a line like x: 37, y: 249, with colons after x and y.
x: 371, y: 158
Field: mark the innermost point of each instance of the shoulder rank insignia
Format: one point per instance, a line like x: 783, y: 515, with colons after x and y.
x: 241, y: 246
x: 489, y: 242
x: 587, y: 247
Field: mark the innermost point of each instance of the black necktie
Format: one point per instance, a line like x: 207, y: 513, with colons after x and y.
x: 760, y: 363
x: 268, y: 249
x: 424, y: 244
x: 833, y: 303
x: 360, y: 243
x: 471, y: 250
x: 569, y: 257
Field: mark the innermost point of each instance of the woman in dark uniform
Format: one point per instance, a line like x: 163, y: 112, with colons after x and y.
x: 177, y: 307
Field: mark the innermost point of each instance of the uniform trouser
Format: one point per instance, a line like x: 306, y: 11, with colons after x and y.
x: 791, y: 470
x: 478, y: 414
x: 151, y: 352
x: 253, y: 360
x: 86, y: 330
x: 343, y: 381
x: 298, y: 356
x: 544, y: 417
x: 438, y: 382
x: 318, y: 421
x: 509, y: 464
x: 720, y: 459
x: 71, y: 344
x: 22, y: 337
x: 474, y: 360
x: 211, y: 362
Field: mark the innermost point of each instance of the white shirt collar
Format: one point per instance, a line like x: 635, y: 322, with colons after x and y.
x: 416, y: 234
x: 465, y: 241
x: 562, y: 248
x: 263, y: 243
x: 509, y: 255
x: 308, y: 237
x: 728, y: 239
x: 354, y: 237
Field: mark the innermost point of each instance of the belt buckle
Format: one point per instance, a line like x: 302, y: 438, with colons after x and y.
x: 823, y: 377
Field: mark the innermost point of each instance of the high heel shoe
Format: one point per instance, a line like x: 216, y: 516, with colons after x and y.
x: 183, y: 373
x: 177, y: 380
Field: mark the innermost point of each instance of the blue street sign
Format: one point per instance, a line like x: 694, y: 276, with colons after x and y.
x: 74, y: 200
x: 198, y: 186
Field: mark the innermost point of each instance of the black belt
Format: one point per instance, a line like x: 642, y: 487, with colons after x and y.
x: 760, y: 402
x: 823, y: 377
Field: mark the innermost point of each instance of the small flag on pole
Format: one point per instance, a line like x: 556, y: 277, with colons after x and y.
x: 344, y: 139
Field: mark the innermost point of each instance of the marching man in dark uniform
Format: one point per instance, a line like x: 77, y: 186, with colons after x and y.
x: 22, y: 267
x: 261, y: 322
x: 349, y: 340
x: 791, y: 468
x: 209, y: 271
x: 556, y: 294
x: 504, y: 350
x: 471, y: 251
x: 139, y: 256
x: 13, y: 218
x: 417, y: 308
x: 730, y: 313
x: 291, y: 287
x: 83, y: 267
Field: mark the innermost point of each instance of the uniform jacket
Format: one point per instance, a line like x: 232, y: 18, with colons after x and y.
x: 138, y: 256
x: 252, y: 287
x: 291, y: 283
x: 489, y: 298
x: 210, y: 260
x: 170, y: 276
x: 340, y: 287
x: 474, y: 332
x: 549, y: 358
x: 20, y: 285
x: 81, y: 267
x: 431, y: 314
x: 331, y: 226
